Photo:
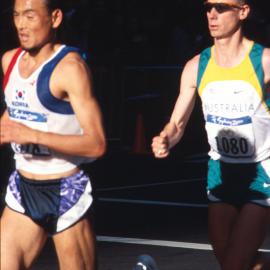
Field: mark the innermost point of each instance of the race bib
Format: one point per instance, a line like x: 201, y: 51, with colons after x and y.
x: 231, y: 137
x: 30, y: 150
x: 33, y: 120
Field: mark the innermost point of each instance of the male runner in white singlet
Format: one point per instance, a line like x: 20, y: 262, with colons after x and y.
x: 54, y: 124
x: 233, y: 80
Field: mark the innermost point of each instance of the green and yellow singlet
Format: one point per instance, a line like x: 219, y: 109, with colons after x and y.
x: 236, y: 107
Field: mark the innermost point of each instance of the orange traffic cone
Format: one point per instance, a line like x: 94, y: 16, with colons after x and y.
x: 139, y: 146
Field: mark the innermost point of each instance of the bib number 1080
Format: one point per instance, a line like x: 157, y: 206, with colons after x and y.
x: 232, y: 146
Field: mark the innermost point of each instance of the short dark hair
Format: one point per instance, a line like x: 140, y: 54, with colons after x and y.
x: 55, y: 4
x: 242, y: 2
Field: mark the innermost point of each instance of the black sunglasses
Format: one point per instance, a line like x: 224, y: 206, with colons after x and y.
x: 220, y: 7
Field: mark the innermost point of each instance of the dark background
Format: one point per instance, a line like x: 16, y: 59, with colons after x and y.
x: 136, y: 50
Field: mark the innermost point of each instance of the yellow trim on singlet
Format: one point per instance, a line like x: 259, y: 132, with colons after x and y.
x: 244, y: 71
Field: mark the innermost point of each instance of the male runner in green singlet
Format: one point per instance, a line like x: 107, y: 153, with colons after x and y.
x: 233, y: 80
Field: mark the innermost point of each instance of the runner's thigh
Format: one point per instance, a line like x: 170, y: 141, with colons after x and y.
x: 75, y: 247
x: 221, y: 219
x: 247, y: 235
x: 21, y: 240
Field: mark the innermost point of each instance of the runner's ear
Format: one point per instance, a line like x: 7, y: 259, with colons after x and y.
x: 57, y: 18
x: 244, y: 12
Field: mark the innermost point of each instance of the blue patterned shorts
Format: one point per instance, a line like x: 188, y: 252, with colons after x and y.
x: 55, y: 205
